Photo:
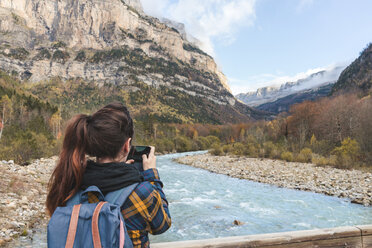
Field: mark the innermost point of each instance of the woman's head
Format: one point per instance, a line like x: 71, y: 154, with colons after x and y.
x: 102, y: 135
x: 106, y: 131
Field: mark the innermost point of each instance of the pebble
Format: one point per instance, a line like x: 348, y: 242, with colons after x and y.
x: 23, y: 196
x: 353, y: 184
x: 11, y: 205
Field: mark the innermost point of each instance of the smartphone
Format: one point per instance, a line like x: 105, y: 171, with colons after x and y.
x: 136, y: 152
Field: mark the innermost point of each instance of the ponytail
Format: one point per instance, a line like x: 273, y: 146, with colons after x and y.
x: 68, y: 174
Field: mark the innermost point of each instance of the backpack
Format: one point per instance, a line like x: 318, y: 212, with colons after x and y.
x: 84, y: 224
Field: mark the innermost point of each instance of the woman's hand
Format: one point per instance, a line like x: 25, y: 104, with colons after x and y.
x: 130, y: 161
x: 150, y: 161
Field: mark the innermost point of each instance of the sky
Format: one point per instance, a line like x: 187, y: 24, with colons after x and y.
x: 258, y: 43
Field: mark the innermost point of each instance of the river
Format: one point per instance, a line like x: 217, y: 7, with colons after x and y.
x: 205, y: 205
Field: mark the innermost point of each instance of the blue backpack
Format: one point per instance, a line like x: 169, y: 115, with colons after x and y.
x: 84, y: 224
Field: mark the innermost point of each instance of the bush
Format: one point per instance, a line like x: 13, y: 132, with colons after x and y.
x: 183, y: 144
x: 60, y: 56
x: 81, y: 56
x: 347, y: 155
x: 319, y: 160
x: 252, y: 150
x: 287, y: 156
x: 322, y: 147
x: 212, y: 140
x: 251, y: 139
x: 202, y: 143
x: 268, y: 147
x: 348, y: 147
x: 344, y: 161
x: 43, y: 54
x: 261, y: 151
x: 271, y: 150
x: 227, y: 148
x: 59, y: 44
x: 192, y: 48
x: 18, y: 53
x: 27, y: 146
x: 305, y: 155
x: 164, y: 145
x: 238, y: 149
x: 332, y: 160
x: 216, y: 149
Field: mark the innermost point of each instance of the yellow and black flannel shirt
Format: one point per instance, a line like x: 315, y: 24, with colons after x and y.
x: 146, y: 209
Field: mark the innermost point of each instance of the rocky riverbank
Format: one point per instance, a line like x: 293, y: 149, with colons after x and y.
x: 353, y: 184
x: 23, y: 192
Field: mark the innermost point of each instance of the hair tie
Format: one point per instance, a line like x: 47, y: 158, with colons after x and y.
x: 89, y: 118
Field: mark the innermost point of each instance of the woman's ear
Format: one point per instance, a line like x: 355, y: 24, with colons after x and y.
x: 126, y: 147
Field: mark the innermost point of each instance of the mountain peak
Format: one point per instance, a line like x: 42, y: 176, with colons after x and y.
x: 271, y: 93
x: 358, y: 75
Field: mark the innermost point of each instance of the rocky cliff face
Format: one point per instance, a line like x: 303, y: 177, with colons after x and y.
x: 112, y: 42
x: 358, y: 75
x: 43, y: 39
x: 136, y: 4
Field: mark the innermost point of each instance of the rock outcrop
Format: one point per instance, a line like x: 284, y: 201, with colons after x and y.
x: 136, y: 4
x: 358, y: 75
x: 27, y: 27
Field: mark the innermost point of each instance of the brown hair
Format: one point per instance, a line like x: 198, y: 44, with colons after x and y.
x: 101, y: 135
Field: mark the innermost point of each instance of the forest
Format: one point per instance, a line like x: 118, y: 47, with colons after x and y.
x: 332, y: 131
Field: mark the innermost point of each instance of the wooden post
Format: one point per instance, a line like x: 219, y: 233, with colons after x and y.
x: 351, y: 237
x: 366, y: 235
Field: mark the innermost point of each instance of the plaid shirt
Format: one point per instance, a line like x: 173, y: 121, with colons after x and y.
x: 146, y: 210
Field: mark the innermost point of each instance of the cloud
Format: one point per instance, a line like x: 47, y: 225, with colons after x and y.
x: 255, y: 82
x: 206, y: 20
x: 155, y: 8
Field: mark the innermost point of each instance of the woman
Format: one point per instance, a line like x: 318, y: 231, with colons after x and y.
x: 107, y: 135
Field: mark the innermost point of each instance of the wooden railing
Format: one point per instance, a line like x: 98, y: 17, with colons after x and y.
x: 356, y: 236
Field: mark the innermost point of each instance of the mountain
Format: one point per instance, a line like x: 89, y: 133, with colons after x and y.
x: 180, y: 27
x: 283, y: 104
x: 271, y: 94
x: 358, y: 75
x: 111, y: 45
x: 136, y: 4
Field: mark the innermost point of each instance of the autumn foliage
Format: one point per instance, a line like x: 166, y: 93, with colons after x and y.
x: 332, y: 131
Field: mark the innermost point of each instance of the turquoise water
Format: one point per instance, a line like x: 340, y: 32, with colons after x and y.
x: 205, y: 205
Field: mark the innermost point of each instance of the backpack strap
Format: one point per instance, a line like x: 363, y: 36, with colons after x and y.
x: 119, y: 196
x: 95, y: 229
x: 73, y: 226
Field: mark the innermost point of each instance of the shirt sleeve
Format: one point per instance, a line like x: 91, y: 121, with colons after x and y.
x: 159, y: 218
